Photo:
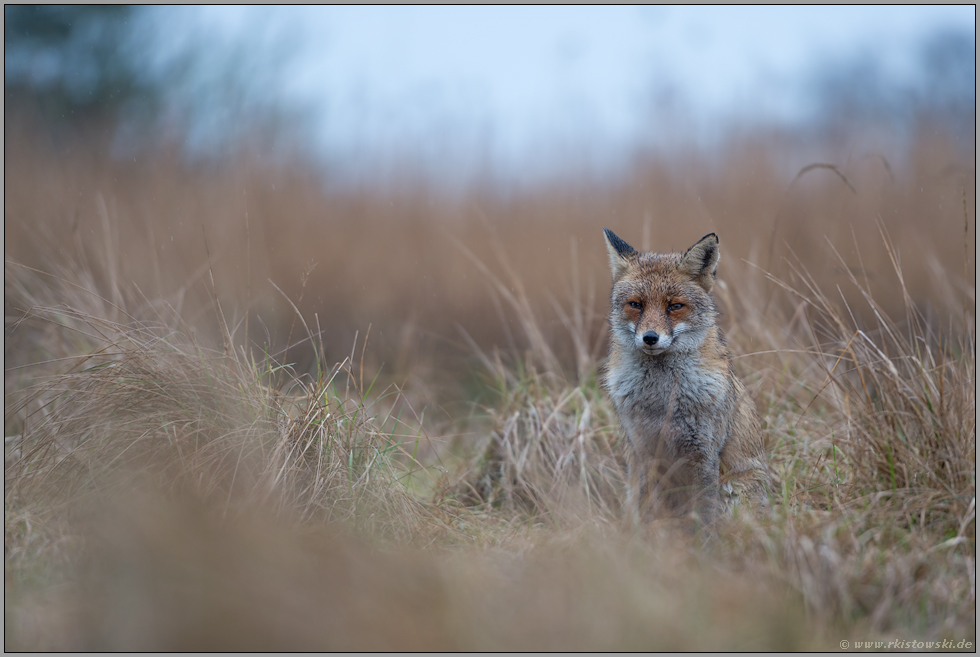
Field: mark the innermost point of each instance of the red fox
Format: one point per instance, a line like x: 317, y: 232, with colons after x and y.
x: 693, y: 435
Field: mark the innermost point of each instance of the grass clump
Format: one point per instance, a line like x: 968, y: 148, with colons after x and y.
x: 552, y: 450
x: 146, y: 404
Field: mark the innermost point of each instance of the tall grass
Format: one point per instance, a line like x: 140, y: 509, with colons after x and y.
x: 388, y: 257
x: 136, y: 402
x: 192, y: 462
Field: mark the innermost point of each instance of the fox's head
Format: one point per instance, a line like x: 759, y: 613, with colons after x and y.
x: 661, y: 302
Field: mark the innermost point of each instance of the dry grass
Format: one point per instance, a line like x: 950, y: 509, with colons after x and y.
x: 144, y: 403
x: 187, y: 468
x: 872, y: 433
x: 389, y: 257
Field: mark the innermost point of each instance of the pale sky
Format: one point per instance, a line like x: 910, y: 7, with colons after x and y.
x: 515, y: 82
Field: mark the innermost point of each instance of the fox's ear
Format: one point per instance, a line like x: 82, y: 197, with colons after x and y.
x: 701, y: 261
x: 619, y: 253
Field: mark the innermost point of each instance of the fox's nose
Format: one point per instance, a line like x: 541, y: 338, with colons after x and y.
x: 650, y: 338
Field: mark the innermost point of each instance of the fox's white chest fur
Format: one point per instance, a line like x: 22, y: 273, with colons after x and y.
x: 650, y: 393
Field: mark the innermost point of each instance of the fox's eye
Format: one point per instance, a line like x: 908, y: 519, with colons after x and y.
x: 675, y: 307
x: 636, y: 305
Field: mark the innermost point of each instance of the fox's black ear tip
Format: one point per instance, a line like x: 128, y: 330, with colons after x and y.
x: 617, y: 244
x: 711, y: 235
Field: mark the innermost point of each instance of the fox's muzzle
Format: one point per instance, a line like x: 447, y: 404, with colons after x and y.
x: 652, y: 343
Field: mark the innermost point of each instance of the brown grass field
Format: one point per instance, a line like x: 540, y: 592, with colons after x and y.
x: 245, y: 409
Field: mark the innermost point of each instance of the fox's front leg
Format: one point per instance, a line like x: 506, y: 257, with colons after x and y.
x: 708, y: 495
x: 695, y: 484
x: 649, y: 490
x: 636, y: 485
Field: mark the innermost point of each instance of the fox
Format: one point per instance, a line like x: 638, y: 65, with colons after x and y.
x: 694, y: 445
